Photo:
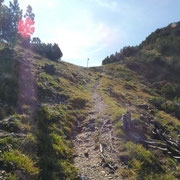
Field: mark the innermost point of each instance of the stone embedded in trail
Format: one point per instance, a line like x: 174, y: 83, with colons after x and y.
x: 86, y: 154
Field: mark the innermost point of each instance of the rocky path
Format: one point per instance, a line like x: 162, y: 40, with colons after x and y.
x: 95, y: 145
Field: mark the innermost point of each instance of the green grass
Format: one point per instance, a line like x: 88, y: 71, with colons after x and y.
x: 21, y: 161
x: 7, y: 143
x: 66, y: 97
x: 142, y: 161
x: 122, y: 90
x: 54, y: 149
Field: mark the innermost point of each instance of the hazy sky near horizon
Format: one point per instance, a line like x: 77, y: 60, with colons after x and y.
x: 95, y: 29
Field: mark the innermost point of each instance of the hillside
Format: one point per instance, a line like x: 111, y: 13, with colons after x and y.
x: 157, y: 57
x: 116, y: 121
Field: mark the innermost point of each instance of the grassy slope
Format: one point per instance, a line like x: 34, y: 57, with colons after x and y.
x: 124, y: 90
x: 156, y: 83
x: 43, y: 121
x: 43, y: 125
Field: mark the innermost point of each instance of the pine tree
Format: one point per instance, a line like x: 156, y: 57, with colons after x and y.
x: 29, y: 13
x: 1, y: 1
x: 56, y: 52
x: 15, y: 17
x: 4, y: 21
x: 36, y: 40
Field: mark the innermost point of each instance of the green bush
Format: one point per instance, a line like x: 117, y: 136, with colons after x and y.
x: 59, y: 147
x: 11, y: 176
x: 127, y: 51
x: 52, y: 52
x: 143, y: 161
x: 7, y: 143
x: 54, y: 124
x: 168, y: 106
x: 157, y: 102
x: 20, y: 161
x: 172, y: 107
x: 170, y: 91
x: 78, y: 102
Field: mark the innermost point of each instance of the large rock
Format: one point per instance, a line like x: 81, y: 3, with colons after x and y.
x: 126, y: 120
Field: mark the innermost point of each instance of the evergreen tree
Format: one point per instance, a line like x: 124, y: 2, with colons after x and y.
x: 5, y: 22
x: 36, y: 40
x: 1, y: 2
x: 29, y: 13
x: 15, y: 17
x: 56, y: 52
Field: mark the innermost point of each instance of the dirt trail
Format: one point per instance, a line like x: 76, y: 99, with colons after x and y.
x: 95, y: 145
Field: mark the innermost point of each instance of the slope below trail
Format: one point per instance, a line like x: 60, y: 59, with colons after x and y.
x: 96, y: 144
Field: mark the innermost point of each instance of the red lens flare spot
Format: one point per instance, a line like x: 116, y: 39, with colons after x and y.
x: 25, y: 27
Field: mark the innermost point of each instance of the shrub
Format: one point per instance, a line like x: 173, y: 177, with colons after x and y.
x: 157, y: 101
x: 171, y: 91
x: 8, y: 142
x: 68, y: 169
x: 20, y: 161
x: 53, y: 146
x: 78, y: 102
x: 167, y: 105
x: 172, y: 107
x: 10, y: 176
x: 127, y: 51
x: 52, y: 52
x: 143, y: 161
x: 59, y: 147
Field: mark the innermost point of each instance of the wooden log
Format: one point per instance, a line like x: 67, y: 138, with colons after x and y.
x: 172, y: 143
x: 101, y: 148
x: 155, y: 143
x: 156, y: 147
x: 176, y: 157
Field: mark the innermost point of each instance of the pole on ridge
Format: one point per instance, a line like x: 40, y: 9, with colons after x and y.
x: 87, y: 62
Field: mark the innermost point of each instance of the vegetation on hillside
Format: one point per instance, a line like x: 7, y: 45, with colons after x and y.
x: 158, y: 46
x: 36, y: 130
x: 124, y: 53
x: 45, y: 102
x: 124, y: 90
x: 154, y: 87
x: 49, y: 51
x: 13, y: 30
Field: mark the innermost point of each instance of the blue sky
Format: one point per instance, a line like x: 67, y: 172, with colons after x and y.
x: 95, y: 29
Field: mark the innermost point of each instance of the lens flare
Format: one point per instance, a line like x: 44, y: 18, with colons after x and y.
x: 26, y: 27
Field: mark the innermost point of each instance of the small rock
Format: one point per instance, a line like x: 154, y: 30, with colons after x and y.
x: 86, y: 154
x: 2, y: 172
